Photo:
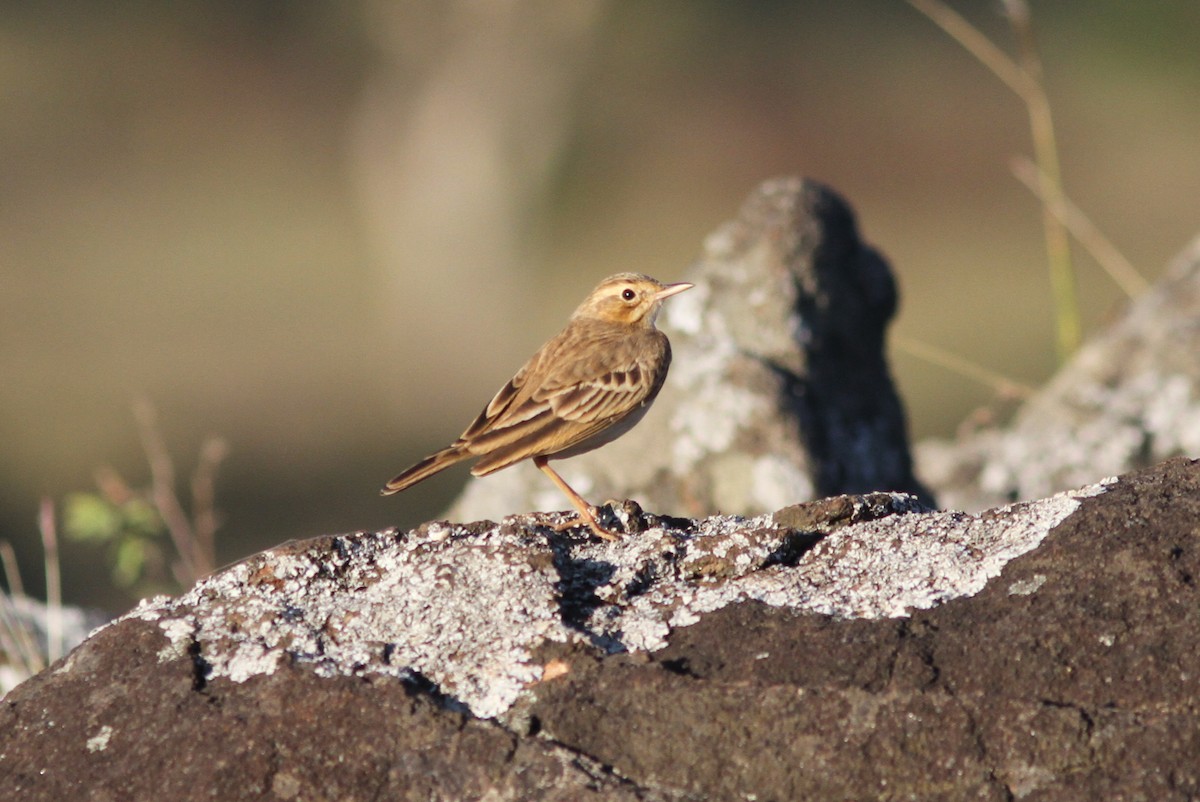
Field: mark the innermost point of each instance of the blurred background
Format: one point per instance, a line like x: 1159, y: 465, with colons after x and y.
x: 327, y: 232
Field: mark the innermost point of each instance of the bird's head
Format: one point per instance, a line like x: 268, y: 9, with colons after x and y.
x: 629, y: 298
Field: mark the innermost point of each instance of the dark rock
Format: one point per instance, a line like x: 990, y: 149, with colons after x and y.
x: 1130, y: 398
x: 779, y: 391
x: 1049, y: 650
x: 117, y: 721
x: 1073, y: 675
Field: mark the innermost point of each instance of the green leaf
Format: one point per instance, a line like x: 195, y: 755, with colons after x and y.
x: 130, y: 560
x: 87, y: 516
x: 142, y: 518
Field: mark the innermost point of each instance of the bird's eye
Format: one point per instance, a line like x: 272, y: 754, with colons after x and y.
x: 628, y: 294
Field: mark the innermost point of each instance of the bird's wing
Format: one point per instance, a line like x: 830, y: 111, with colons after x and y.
x: 619, y: 389
x: 510, y: 407
x: 566, y: 396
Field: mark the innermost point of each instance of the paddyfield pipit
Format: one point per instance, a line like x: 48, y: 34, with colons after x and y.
x: 586, y: 387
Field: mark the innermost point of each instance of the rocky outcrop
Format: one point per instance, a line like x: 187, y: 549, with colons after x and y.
x: 855, y: 647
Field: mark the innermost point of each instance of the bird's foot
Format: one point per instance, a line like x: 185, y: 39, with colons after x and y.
x: 591, y: 522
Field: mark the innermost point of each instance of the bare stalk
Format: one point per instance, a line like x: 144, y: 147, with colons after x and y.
x: 978, y: 45
x: 1001, y: 385
x: 1111, y: 260
x: 12, y: 572
x: 54, y: 619
x: 16, y: 641
x: 162, y: 477
x: 1025, y: 79
x: 204, y: 514
x: 1045, y: 148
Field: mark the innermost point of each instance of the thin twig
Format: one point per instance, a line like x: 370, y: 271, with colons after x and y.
x: 1111, y: 260
x: 204, y: 515
x: 12, y: 572
x: 1001, y: 385
x: 54, y: 617
x: 162, y: 477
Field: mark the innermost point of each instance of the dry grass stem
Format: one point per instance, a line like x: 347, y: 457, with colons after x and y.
x: 162, y: 479
x: 54, y: 619
x: 12, y: 572
x: 1045, y: 148
x: 978, y: 45
x: 1001, y: 385
x: 1025, y: 79
x: 16, y: 641
x: 1111, y: 260
x: 204, y: 515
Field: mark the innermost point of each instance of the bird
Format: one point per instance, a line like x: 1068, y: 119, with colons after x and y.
x: 585, y: 387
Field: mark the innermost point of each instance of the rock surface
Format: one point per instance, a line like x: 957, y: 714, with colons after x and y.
x: 856, y: 647
x: 779, y: 391
x: 1130, y: 398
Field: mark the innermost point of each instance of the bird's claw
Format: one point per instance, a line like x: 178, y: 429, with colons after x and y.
x: 591, y: 522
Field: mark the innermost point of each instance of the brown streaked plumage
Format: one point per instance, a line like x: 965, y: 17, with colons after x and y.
x: 586, y: 387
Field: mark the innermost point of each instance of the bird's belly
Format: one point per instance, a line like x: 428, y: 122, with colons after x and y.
x: 603, y: 437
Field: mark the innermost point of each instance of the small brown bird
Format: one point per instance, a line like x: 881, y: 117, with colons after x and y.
x: 586, y: 387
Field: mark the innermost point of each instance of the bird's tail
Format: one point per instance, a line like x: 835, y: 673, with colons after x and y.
x: 425, y: 468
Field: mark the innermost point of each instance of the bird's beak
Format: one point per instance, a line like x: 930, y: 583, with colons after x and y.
x: 672, y: 289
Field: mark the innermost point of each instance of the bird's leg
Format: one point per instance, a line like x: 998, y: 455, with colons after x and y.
x: 585, y: 509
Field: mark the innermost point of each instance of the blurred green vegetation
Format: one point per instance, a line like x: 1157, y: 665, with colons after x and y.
x: 329, y: 231
x: 131, y: 532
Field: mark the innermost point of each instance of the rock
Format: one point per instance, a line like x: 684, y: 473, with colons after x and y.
x: 1130, y: 398
x: 855, y: 647
x: 779, y: 390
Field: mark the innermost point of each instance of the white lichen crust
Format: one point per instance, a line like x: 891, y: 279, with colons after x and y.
x: 465, y: 607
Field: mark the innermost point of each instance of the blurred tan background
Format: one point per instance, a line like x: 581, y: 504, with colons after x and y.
x: 328, y: 232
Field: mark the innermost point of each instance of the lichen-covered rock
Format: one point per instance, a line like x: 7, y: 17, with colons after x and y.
x: 466, y: 607
x: 854, y: 647
x: 779, y: 391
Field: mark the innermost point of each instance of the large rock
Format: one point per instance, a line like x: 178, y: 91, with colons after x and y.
x: 1129, y: 398
x: 855, y: 647
x: 779, y: 391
